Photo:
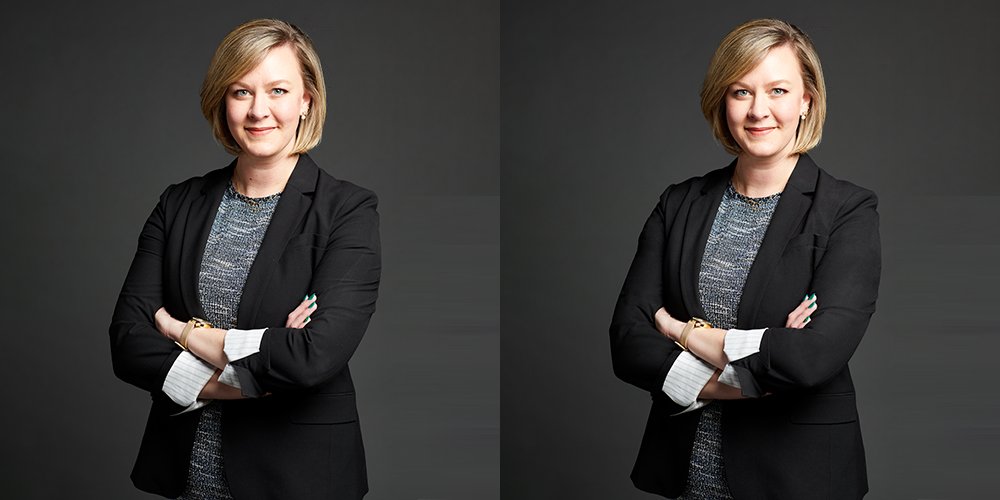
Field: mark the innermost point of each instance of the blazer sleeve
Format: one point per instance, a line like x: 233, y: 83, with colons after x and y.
x: 640, y: 354
x: 845, y: 280
x: 346, y: 282
x: 140, y: 355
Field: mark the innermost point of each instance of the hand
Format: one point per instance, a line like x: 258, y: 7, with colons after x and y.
x: 168, y: 326
x: 301, y: 315
x: 670, y: 328
x: 802, y: 314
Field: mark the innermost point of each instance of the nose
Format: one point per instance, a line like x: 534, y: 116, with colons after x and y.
x: 759, y: 108
x: 259, y: 109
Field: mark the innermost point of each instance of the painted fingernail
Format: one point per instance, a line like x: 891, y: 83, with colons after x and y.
x: 805, y: 297
x: 311, y: 305
x: 808, y: 319
x: 305, y: 298
x: 308, y: 319
x: 313, y: 296
x: 813, y: 296
x: 811, y: 305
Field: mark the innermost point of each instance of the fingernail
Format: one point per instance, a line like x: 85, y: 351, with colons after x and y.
x: 308, y: 319
x: 813, y: 296
x: 805, y: 297
x: 808, y: 319
x: 311, y: 305
x: 305, y: 298
x: 313, y: 296
x: 811, y: 305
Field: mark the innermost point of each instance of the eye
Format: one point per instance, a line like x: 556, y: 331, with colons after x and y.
x: 741, y: 93
x: 279, y: 91
x: 779, y: 91
x: 241, y: 93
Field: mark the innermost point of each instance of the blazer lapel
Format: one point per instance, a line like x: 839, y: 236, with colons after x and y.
x: 200, y: 217
x: 295, y: 201
x: 700, y: 217
x: 785, y: 222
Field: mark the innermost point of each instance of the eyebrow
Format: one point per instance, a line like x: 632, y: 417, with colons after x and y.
x: 269, y: 84
x: 770, y: 84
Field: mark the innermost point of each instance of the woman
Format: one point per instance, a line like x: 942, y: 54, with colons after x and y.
x: 749, y: 292
x: 251, y: 288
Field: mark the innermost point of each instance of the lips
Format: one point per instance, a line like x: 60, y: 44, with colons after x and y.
x: 759, y: 131
x: 259, y: 130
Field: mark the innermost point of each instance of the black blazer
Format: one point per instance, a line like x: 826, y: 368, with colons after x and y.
x: 303, y: 441
x: 803, y: 440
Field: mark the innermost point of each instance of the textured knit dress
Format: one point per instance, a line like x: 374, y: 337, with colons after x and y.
x: 232, y: 245
x: 732, y: 245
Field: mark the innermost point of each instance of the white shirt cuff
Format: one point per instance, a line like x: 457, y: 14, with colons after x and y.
x: 742, y: 343
x: 685, y: 380
x: 185, y: 380
x: 738, y: 345
x: 242, y: 343
x: 238, y: 345
x: 729, y: 377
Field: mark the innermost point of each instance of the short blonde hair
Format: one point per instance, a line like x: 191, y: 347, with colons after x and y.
x: 742, y: 50
x: 241, y: 51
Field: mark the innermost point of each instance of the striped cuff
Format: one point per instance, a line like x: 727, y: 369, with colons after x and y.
x: 242, y: 343
x: 738, y: 345
x: 685, y: 380
x: 238, y: 345
x: 185, y: 380
x: 742, y: 343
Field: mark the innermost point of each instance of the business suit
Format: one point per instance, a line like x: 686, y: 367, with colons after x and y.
x: 302, y: 441
x: 803, y: 439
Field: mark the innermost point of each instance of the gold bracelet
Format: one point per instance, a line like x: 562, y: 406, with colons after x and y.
x: 191, y: 325
x: 690, y: 326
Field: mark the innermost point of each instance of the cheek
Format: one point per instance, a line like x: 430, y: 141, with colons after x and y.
x: 233, y: 112
x: 734, y: 115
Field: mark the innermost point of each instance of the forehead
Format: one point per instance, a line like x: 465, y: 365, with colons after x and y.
x: 280, y: 63
x: 780, y: 63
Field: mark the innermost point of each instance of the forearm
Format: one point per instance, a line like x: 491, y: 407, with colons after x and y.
x: 708, y: 344
x: 718, y: 390
x: 217, y: 390
x: 206, y: 343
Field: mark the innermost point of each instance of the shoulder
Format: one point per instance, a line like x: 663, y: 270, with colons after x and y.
x: 339, y: 196
x: 840, y: 196
x: 695, y: 186
x: 181, y: 193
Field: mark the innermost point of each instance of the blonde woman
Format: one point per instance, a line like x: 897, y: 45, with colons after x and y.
x: 249, y: 292
x: 749, y: 292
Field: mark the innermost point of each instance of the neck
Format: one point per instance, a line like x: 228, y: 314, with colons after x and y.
x: 257, y: 177
x: 756, y: 178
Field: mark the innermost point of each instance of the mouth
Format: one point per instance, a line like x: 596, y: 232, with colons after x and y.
x: 759, y: 131
x: 258, y: 130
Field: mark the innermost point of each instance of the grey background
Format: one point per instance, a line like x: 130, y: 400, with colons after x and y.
x: 101, y: 114
x: 600, y: 113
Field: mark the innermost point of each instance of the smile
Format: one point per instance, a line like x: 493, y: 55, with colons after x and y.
x: 259, y: 130
x: 759, y: 131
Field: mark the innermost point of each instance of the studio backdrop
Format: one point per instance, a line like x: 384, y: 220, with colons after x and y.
x: 107, y: 115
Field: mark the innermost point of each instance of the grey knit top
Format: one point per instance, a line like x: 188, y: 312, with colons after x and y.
x: 232, y: 245
x: 731, y: 248
x: 732, y: 245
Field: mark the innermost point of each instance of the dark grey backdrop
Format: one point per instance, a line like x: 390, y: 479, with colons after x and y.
x: 102, y: 113
x: 600, y: 112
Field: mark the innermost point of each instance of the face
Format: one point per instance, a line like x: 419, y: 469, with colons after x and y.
x: 764, y: 106
x: 264, y: 106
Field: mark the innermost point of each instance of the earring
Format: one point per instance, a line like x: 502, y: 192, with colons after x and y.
x: 802, y: 116
x: 302, y: 116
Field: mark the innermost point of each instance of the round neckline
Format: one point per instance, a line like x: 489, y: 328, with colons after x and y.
x: 251, y: 201
x: 754, y: 201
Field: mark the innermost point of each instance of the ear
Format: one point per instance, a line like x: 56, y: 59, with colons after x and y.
x: 806, y: 103
x: 306, y: 102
